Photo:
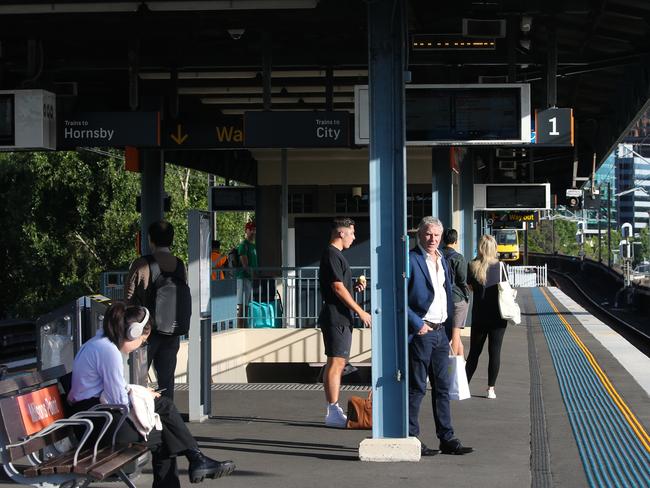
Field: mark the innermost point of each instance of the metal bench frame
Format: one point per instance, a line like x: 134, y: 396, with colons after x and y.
x: 90, y: 455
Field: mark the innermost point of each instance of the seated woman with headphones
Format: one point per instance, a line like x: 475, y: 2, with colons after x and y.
x: 98, y: 371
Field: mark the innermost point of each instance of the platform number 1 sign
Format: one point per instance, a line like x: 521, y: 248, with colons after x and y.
x: 554, y: 127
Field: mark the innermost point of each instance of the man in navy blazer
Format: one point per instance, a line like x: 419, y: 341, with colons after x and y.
x: 430, y: 310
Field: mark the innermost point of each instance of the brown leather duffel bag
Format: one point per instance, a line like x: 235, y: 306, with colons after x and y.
x: 360, y: 412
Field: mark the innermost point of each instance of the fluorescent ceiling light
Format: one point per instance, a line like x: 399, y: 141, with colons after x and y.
x: 217, y: 75
x: 199, y: 75
x: 254, y: 100
x: 66, y: 8
x: 241, y: 111
x: 154, y: 5
x: 244, y: 90
x: 166, y: 5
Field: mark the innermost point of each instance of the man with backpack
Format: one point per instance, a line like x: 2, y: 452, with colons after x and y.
x: 246, y: 262
x: 460, y: 294
x: 158, y: 281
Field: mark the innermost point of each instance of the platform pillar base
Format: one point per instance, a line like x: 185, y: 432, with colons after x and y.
x: 390, y: 450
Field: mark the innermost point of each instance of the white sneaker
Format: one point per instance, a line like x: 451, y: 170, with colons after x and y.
x: 491, y: 394
x: 335, y: 417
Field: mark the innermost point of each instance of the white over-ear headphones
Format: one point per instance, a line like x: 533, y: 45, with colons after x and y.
x: 134, y: 330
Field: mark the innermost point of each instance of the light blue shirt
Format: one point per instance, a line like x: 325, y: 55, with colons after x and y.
x: 99, y: 368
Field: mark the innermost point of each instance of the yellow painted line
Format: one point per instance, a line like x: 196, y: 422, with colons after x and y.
x: 620, y: 403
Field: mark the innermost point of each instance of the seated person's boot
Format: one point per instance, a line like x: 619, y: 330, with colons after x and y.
x: 202, y: 467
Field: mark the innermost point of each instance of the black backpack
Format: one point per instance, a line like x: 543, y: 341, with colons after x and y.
x: 170, y: 301
x: 233, y: 258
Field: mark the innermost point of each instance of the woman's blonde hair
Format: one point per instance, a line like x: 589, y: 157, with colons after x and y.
x: 487, y: 255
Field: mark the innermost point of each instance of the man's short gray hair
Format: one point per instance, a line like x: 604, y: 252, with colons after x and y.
x: 427, y: 221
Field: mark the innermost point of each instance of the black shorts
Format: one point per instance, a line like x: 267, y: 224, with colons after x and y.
x: 337, y: 340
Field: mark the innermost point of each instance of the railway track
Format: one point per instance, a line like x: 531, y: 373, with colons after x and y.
x: 631, y: 330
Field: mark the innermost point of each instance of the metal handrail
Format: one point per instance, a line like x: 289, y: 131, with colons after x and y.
x: 293, y: 292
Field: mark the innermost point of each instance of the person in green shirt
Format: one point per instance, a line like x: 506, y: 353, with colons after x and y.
x: 247, y: 253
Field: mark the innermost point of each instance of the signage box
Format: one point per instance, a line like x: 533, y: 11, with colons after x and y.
x: 27, y: 120
x: 110, y: 129
x: 554, y: 127
x: 204, y: 131
x: 525, y: 196
x: 271, y: 129
x: 448, y: 115
x: 235, y: 198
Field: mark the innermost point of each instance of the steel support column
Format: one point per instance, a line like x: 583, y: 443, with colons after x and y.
x: 467, y: 236
x: 388, y: 243
x: 441, y: 185
x: 151, y: 194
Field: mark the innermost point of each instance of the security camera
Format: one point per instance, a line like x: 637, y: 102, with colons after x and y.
x: 236, y: 34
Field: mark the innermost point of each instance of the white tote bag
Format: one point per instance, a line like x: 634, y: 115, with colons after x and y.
x: 508, y: 306
x: 458, y: 386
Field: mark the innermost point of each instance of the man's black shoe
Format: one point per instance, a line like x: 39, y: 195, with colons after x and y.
x: 426, y: 451
x: 202, y: 467
x: 453, y: 446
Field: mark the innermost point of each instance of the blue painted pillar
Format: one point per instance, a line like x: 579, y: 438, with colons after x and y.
x: 467, y: 231
x: 151, y: 194
x: 441, y: 185
x: 388, y: 244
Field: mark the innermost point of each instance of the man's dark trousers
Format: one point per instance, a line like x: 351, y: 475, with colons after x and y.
x: 434, y: 364
x: 162, y: 351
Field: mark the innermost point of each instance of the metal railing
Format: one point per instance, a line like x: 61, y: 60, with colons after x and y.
x: 527, y: 276
x: 272, y: 297
x: 111, y: 284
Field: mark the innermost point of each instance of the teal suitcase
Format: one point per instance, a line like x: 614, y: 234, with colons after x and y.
x: 261, y: 315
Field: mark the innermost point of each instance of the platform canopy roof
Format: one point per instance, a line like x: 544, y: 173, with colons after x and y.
x: 208, y: 56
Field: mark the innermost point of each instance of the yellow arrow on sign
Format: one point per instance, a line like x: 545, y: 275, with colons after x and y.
x: 179, y: 138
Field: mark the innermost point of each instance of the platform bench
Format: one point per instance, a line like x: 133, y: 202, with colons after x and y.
x: 39, y: 446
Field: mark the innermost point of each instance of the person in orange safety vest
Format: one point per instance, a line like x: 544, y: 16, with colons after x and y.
x: 218, y: 261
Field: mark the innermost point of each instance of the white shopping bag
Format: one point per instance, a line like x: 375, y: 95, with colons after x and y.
x: 458, y: 386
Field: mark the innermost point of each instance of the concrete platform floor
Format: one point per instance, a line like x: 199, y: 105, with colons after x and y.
x: 278, y: 440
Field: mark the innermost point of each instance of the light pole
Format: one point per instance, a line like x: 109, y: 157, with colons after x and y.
x: 648, y: 227
x: 609, y: 224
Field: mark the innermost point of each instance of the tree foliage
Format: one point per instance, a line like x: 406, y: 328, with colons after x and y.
x: 69, y: 216
x: 540, y: 239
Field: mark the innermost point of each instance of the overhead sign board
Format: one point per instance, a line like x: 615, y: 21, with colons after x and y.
x: 448, y: 115
x: 27, y: 120
x: 272, y: 129
x: 573, y: 192
x: 591, y: 201
x: 554, y: 127
x: 512, y: 216
x: 525, y: 196
x: 237, y: 198
x: 198, y: 131
x: 109, y: 129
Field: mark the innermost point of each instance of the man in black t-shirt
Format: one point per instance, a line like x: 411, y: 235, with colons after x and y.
x: 335, y: 318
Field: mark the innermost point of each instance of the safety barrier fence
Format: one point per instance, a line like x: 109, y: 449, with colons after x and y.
x: 287, y: 296
x: 271, y: 297
x: 527, y: 276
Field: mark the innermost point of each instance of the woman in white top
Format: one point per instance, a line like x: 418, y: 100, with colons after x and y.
x: 98, y: 371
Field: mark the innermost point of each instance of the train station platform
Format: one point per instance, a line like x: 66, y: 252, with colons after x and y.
x: 572, y: 410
